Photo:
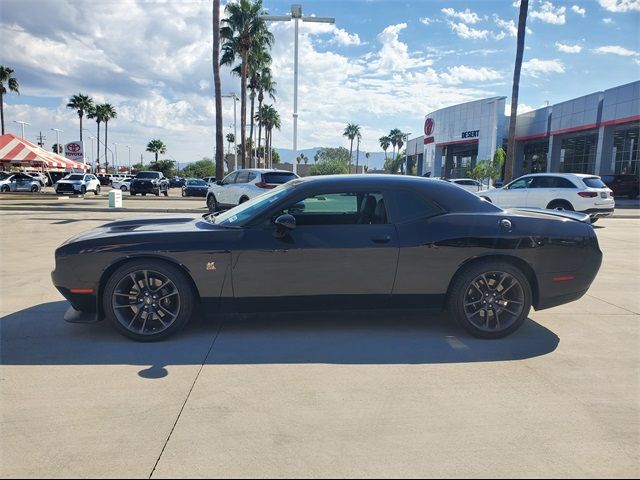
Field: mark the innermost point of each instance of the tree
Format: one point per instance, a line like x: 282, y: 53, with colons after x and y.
x: 267, y: 85
x: 385, y: 143
x: 329, y: 167
x: 57, y: 148
x: 231, y: 139
x: 393, y: 165
x: 156, y: 146
x: 340, y: 154
x: 511, y: 143
x: 242, y: 25
x: 97, y: 112
x: 107, y: 113
x: 351, y: 132
x: 81, y: 104
x: 270, y: 119
x: 302, y: 158
x: 6, y: 77
x: 200, y: 169
x: 489, y: 169
x: 395, y: 135
x: 217, y: 90
x: 165, y: 166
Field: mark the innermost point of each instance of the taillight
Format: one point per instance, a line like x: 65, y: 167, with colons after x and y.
x: 264, y: 185
x: 588, y: 194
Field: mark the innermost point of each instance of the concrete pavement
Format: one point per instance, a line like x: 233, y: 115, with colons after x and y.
x: 328, y: 394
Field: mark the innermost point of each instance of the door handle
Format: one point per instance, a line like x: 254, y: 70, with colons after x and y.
x: 381, y: 238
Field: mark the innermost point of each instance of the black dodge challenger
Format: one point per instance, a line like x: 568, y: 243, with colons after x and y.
x: 354, y: 241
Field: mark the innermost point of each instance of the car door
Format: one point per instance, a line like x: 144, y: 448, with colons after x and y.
x: 515, y: 194
x: 23, y: 183
x: 239, y: 187
x: 343, y: 251
x: 542, y: 190
x: 222, y: 192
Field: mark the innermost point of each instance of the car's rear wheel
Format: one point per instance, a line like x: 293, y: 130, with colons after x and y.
x: 166, y: 192
x: 212, y: 204
x: 123, y: 188
x: 5, y: 188
x: 83, y: 190
x: 243, y: 199
x: 490, y: 299
x: 35, y: 188
x: 560, y: 205
x: 97, y: 190
x: 148, y: 300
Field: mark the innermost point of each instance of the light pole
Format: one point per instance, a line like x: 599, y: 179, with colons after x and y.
x: 235, y: 130
x: 58, y: 131
x: 115, y: 149
x: 296, y: 16
x: 406, y: 153
x: 129, y: 147
x: 23, y: 124
x: 92, y: 158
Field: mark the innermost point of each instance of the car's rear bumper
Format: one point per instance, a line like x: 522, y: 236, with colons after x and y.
x: 599, y: 212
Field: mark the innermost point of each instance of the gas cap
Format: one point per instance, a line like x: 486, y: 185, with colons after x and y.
x: 505, y: 224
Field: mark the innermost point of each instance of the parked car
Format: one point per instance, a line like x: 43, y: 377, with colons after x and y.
x: 468, y: 184
x: 18, y: 182
x: 210, y: 180
x: 194, y: 187
x: 623, y: 185
x: 78, y: 183
x: 373, y: 241
x: 176, y: 182
x: 242, y: 185
x: 149, y: 182
x: 41, y: 177
x: 104, y: 180
x: 123, y: 183
x: 557, y: 191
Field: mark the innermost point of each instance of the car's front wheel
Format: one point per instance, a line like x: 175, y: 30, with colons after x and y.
x: 35, y: 188
x: 148, y: 300
x: 212, y: 204
x: 97, y: 190
x: 123, y: 188
x: 83, y: 190
x: 490, y: 299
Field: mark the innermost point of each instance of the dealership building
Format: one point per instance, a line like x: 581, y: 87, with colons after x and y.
x: 597, y: 134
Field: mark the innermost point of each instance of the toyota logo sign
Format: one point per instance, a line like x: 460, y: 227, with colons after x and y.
x: 73, y: 147
x: 428, y: 127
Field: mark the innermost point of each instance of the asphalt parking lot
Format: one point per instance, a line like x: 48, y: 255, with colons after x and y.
x: 323, y: 395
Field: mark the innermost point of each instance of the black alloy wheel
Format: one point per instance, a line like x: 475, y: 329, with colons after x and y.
x: 490, y: 299
x: 5, y: 188
x: 35, y: 188
x: 148, y: 300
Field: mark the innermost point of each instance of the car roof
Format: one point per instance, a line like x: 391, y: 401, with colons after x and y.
x: 557, y: 174
x: 262, y: 170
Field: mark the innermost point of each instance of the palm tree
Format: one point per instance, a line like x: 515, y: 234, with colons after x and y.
x: 231, y: 139
x: 156, y: 146
x: 359, y: 137
x: 108, y: 113
x: 82, y: 104
x: 394, y: 135
x: 241, y: 27
x: 511, y: 142
x: 351, y: 132
x: 271, y: 119
x: 219, y: 154
x: 97, y: 112
x: 267, y: 85
x: 6, y: 76
x: 385, y: 143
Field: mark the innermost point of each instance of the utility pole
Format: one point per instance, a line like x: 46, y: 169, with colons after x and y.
x: 41, y: 138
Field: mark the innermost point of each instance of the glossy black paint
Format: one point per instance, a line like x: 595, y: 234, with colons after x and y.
x: 408, y: 263
x: 195, y: 190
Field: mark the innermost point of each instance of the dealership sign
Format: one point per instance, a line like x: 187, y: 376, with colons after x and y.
x: 74, y: 151
x: 428, y: 131
x: 471, y: 134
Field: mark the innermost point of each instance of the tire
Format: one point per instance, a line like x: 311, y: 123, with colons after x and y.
x: 560, y: 205
x: 144, y: 297
x: 242, y: 200
x: 166, y: 192
x: 466, y: 303
x: 157, y: 193
x: 83, y: 190
x: 35, y: 189
x: 6, y: 188
x: 123, y: 188
x: 212, y: 204
x: 97, y: 190
x: 144, y: 194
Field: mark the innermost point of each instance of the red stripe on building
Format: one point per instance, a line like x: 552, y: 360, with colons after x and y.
x: 633, y: 118
x: 456, y: 142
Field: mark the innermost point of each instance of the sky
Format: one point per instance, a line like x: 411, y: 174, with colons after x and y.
x: 384, y: 64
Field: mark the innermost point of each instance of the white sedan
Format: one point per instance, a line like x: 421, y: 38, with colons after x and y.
x: 123, y: 184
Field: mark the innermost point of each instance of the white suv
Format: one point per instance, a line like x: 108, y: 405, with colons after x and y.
x: 562, y: 191
x: 241, y: 185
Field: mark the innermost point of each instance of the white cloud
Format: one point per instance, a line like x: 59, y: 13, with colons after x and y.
x: 536, y: 67
x: 608, y: 21
x: 522, y: 108
x: 426, y: 20
x: 467, y: 16
x: 394, y: 54
x: 579, y: 10
x: 620, y: 6
x: 466, y: 32
x: 345, y: 38
x: 548, y: 13
x: 462, y: 73
x: 566, y: 48
x: 616, y: 50
x: 507, y: 27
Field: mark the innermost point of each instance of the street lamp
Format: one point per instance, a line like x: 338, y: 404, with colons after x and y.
x: 296, y: 16
x: 235, y: 129
x: 406, y: 153
x: 23, y: 124
x: 58, y: 131
x: 129, y: 147
x: 92, y: 154
x: 115, y: 149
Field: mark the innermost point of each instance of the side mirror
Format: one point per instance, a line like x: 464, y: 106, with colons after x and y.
x: 286, y: 221
x: 219, y: 182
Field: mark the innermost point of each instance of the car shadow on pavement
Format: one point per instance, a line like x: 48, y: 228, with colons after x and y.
x: 39, y: 336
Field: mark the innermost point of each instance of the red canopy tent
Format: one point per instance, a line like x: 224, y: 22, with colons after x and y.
x: 16, y: 150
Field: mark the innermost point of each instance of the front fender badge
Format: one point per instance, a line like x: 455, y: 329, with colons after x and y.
x: 211, y: 266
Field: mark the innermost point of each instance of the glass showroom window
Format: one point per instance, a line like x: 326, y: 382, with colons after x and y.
x: 578, y: 154
x: 625, y: 150
x: 535, y: 157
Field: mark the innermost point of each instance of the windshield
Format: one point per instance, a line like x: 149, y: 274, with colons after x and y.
x: 75, y: 177
x: 148, y: 175
x: 250, y: 208
x: 201, y: 183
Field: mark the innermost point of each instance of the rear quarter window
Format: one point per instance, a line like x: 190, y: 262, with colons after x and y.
x: 594, y: 182
x: 409, y: 205
x: 277, y: 178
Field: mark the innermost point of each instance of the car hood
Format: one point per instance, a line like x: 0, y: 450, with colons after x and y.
x: 70, y: 181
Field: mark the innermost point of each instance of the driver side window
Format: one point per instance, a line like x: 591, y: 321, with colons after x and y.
x: 521, y: 183
x: 346, y: 208
x: 229, y: 179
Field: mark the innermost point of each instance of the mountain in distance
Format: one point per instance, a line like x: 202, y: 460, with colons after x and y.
x: 375, y: 161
